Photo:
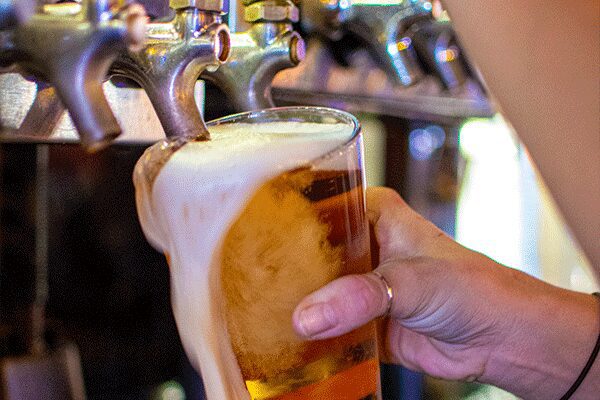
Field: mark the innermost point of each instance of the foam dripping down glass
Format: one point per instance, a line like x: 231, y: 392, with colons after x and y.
x: 251, y: 221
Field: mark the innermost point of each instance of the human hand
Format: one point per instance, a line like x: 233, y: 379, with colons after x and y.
x: 456, y: 314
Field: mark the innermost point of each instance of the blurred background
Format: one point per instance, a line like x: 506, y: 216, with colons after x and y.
x: 76, y: 272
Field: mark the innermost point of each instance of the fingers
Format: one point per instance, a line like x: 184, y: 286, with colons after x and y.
x: 341, y: 306
x: 384, y: 208
x: 400, y: 232
x: 380, y: 200
x: 350, y: 302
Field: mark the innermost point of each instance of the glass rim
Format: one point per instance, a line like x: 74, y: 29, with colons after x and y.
x: 340, y: 115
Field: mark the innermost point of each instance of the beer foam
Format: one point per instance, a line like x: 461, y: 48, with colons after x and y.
x: 187, y: 211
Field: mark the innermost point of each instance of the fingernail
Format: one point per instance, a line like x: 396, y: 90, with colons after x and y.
x: 316, y: 319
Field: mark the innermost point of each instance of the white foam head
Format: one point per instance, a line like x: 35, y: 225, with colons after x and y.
x: 195, y: 198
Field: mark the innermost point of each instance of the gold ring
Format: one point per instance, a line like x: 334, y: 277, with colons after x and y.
x: 388, y: 290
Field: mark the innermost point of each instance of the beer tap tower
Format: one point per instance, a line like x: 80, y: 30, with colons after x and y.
x: 268, y: 46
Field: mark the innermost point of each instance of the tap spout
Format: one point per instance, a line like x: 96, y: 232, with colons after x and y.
x: 381, y: 26
x: 439, y: 50
x: 72, y: 48
x: 175, y: 54
x: 258, y: 54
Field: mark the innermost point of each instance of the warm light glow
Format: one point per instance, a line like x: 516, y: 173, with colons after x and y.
x: 489, y: 204
x: 447, y: 55
x: 505, y: 211
x: 170, y: 391
x: 423, y: 143
x: 403, y: 44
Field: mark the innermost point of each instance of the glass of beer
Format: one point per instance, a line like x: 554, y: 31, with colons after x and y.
x: 268, y: 210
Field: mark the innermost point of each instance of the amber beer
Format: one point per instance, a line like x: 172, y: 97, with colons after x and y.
x: 300, y: 230
x: 267, y: 212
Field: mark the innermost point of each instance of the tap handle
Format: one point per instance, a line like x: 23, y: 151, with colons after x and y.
x: 15, y: 12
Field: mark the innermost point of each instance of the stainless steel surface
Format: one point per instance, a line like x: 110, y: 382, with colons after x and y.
x: 428, y: 107
x: 32, y: 113
x: 15, y: 12
x: 176, y: 52
x: 194, y: 41
x: 258, y: 54
x: 319, y: 80
x: 70, y: 46
x: 384, y: 57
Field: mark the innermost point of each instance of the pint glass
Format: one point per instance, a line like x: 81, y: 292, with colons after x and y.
x: 267, y: 211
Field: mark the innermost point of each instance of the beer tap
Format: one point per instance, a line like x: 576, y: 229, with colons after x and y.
x: 268, y: 46
x: 70, y: 47
x: 175, y: 54
x: 15, y: 12
x: 382, y: 26
x: 439, y: 51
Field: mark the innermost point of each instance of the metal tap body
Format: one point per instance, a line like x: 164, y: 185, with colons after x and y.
x: 382, y: 27
x: 439, y: 51
x: 171, y: 61
x: 70, y: 46
x: 268, y: 46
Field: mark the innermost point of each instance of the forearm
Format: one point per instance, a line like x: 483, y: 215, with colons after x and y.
x: 549, y: 337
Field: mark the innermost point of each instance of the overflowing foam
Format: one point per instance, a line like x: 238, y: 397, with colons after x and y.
x: 188, y: 208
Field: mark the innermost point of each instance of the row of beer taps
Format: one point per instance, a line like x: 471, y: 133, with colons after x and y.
x: 71, y: 48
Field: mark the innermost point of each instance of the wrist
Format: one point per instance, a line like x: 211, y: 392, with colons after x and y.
x: 546, y: 336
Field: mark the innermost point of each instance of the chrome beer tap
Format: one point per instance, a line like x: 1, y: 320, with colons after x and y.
x: 403, y: 37
x: 439, y: 51
x: 69, y: 47
x: 15, y: 12
x: 268, y: 46
x: 381, y: 25
x: 175, y: 54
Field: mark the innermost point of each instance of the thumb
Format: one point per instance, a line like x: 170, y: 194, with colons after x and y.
x: 341, y: 306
